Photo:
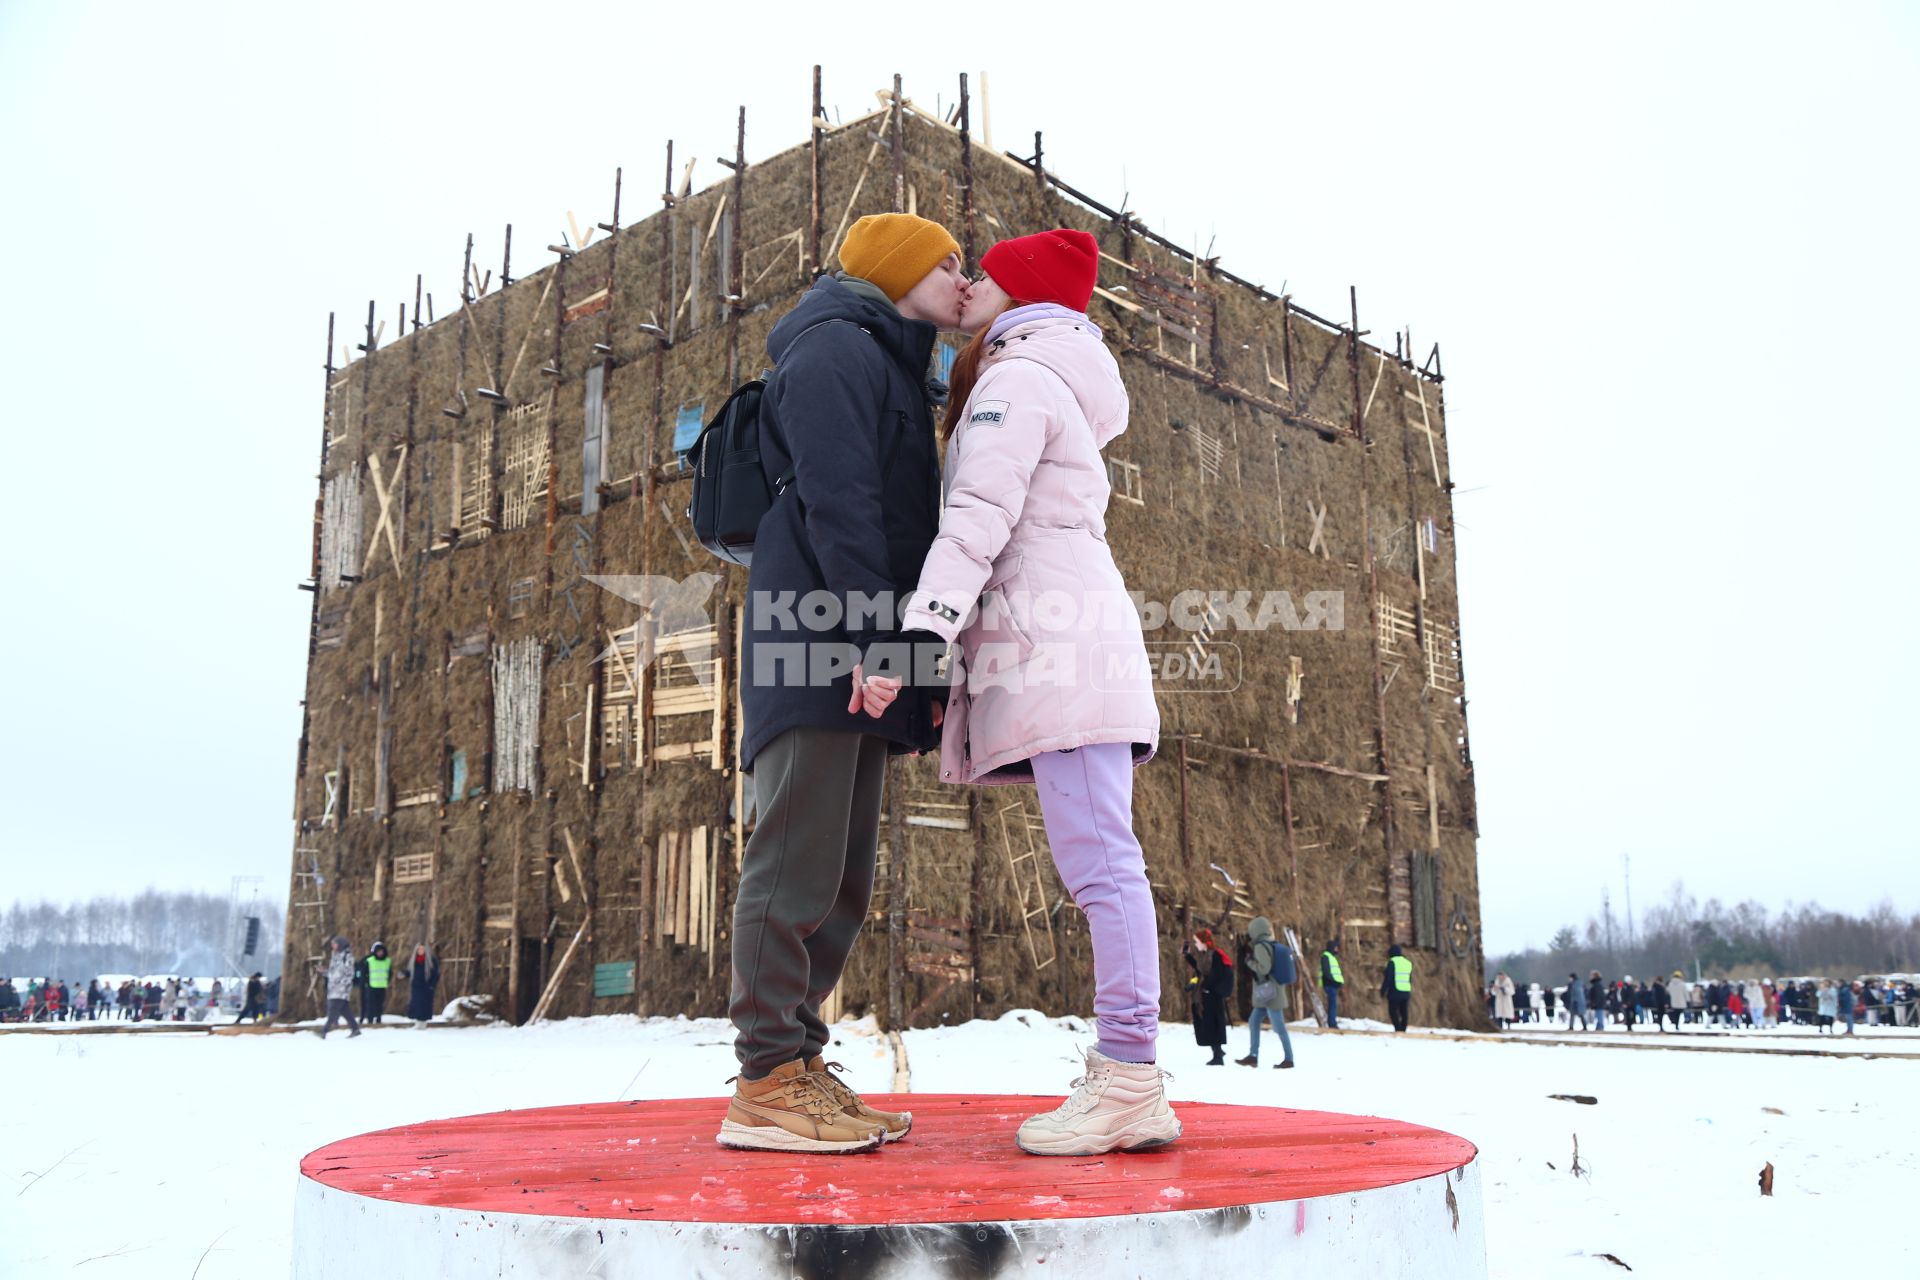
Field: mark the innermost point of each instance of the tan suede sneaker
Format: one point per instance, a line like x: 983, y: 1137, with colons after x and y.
x: 790, y: 1110
x: 895, y: 1124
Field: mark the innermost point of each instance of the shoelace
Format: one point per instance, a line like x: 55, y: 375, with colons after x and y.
x: 841, y: 1094
x: 1085, y: 1087
x: 807, y: 1096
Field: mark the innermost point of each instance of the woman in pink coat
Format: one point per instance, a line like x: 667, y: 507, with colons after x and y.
x: 1051, y: 684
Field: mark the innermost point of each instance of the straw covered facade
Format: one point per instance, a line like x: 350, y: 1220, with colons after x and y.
x: 520, y: 718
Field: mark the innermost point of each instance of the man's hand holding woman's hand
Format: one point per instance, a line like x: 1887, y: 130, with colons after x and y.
x: 872, y: 694
x: 921, y: 652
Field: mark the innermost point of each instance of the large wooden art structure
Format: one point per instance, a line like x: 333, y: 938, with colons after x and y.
x: 520, y: 725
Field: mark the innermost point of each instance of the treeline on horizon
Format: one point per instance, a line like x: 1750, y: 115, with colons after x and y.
x: 1713, y: 940
x: 153, y: 931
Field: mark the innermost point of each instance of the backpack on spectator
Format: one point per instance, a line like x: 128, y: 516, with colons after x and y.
x: 1280, y: 974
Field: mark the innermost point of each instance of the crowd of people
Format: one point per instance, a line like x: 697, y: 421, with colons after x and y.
x: 373, y: 975
x: 176, y: 999
x: 1268, y: 970
x: 1750, y: 1003
x: 171, y: 999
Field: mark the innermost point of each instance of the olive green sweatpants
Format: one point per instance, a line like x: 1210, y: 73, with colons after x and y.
x: 805, y: 882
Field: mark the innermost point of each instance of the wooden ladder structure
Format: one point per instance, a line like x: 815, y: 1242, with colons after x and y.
x: 1307, y: 978
x: 310, y: 914
x: 1017, y: 828
x: 686, y: 676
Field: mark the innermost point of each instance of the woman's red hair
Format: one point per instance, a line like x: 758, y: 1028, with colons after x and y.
x: 966, y: 372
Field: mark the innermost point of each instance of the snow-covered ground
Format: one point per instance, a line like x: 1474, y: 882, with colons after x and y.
x: 175, y: 1155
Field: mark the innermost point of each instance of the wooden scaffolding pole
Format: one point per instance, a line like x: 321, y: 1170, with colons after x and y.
x: 816, y: 159
x: 966, y: 186
x: 899, y: 138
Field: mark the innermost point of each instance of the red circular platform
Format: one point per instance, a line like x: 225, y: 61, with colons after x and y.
x: 657, y: 1161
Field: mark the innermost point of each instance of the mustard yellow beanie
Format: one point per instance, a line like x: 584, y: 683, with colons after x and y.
x: 895, y: 250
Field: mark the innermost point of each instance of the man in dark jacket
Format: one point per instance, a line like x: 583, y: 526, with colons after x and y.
x: 1597, y: 1001
x: 256, y: 999
x: 848, y: 415
x: 1656, y: 1000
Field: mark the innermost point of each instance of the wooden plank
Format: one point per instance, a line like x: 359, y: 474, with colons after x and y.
x: 718, y: 758
x: 590, y: 731
x: 697, y: 882
x: 680, y: 641
x: 689, y: 700
x: 560, y: 971
x: 573, y: 855
x: 675, y: 928
x: 663, y: 895
x: 593, y: 304
x: 713, y: 896
x: 682, y: 885
x: 1433, y: 812
x: 944, y: 824
x: 661, y: 902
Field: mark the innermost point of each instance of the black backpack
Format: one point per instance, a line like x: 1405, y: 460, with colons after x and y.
x: 730, y: 490
x: 730, y: 493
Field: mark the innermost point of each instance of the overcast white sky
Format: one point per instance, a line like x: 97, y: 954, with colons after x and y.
x: 1668, y: 252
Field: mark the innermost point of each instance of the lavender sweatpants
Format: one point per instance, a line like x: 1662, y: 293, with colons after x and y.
x: 1086, y: 797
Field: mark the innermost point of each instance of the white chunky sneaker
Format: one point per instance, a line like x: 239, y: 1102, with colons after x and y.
x: 1115, y: 1106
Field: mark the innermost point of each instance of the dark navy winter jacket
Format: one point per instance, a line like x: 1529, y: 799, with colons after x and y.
x: 849, y: 414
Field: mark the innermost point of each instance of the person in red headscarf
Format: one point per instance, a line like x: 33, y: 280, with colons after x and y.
x: 1210, y: 985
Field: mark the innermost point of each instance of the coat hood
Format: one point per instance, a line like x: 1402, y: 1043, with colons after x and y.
x: 910, y: 342
x: 1259, y: 929
x: 1071, y: 347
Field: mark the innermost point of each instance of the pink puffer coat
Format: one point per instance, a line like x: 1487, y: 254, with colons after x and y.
x: 1050, y: 656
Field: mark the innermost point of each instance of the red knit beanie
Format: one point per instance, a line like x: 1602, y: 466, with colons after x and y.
x: 1049, y: 266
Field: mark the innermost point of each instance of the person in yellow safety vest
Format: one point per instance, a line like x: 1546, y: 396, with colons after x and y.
x: 1332, y: 980
x: 379, y: 972
x: 1396, y: 984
